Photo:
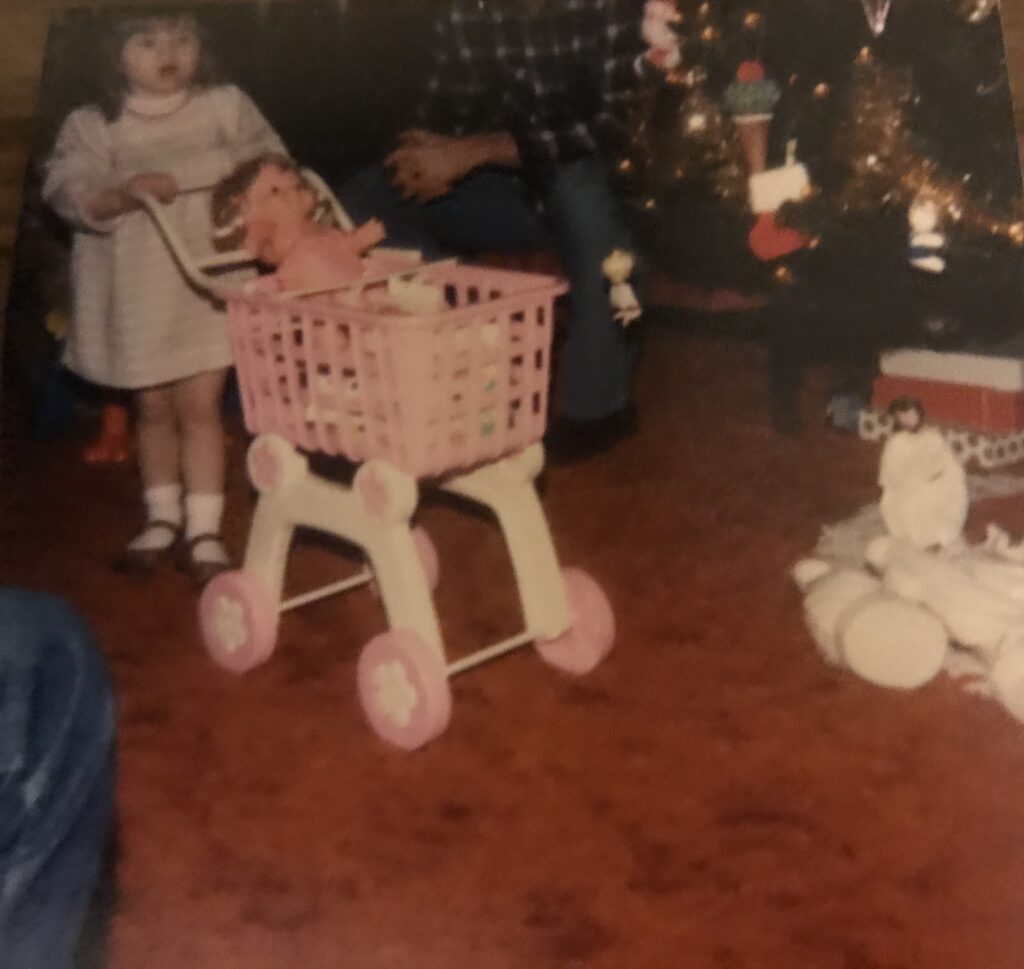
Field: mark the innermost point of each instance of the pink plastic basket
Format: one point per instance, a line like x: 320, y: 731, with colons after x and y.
x: 429, y: 394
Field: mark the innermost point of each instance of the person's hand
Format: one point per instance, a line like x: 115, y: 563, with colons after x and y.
x: 163, y: 187
x: 426, y: 166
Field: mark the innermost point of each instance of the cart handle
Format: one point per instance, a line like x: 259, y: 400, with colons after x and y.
x: 198, y: 273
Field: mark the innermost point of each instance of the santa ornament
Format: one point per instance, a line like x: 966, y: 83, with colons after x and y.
x: 927, y: 243
x: 659, y: 34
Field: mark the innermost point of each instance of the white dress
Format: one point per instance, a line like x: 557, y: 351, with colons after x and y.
x: 135, y: 321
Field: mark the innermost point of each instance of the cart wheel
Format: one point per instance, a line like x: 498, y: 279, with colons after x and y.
x: 238, y: 621
x: 427, y: 552
x: 590, y: 637
x: 403, y: 687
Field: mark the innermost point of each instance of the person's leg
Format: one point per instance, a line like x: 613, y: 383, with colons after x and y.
x: 197, y: 404
x: 156, y: 440
x: 489, y: 211
x: 56, y: 778
x: 597, y: 357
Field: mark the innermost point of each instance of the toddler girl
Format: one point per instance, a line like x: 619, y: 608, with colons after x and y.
x: 163, y: 126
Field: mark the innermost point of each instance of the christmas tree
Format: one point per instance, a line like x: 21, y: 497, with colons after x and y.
x: 911, y: 228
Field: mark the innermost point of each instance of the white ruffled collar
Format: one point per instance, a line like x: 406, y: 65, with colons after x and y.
x: 156, y: 105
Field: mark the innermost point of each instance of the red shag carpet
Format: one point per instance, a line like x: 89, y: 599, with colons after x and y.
x: 712, y: 797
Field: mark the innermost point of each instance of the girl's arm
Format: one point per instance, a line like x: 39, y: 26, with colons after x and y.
x: 80, y: 182
x: 112, y: 202
x: 80, y: 174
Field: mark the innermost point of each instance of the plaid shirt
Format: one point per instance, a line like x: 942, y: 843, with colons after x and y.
x: 560, y: 81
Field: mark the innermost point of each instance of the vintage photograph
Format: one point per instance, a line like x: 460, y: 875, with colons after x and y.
x: 511, y: 484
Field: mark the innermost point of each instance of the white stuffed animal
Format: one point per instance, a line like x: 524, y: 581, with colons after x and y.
x: 922, y: 587
x: 858, y: 624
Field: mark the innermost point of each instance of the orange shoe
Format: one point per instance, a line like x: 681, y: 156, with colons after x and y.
x: 113, y: 444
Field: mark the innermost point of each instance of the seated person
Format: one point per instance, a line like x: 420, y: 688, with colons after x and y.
x: 523, y: 110
x: 56, y: 778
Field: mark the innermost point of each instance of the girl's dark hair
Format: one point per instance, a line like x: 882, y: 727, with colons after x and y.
x: 113, y: 86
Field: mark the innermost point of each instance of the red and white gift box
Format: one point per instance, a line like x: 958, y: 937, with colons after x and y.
x: 970, y: 390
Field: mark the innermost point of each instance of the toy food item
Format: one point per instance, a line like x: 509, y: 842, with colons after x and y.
x: 751, y: 100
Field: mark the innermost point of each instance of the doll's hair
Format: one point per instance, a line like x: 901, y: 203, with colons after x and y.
x: 226, y: 201
x: 904, y: 404
x: 113, y: 85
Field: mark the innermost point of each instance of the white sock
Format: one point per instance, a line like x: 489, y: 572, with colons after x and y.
x: 202, y: 517
x: 163, y: 503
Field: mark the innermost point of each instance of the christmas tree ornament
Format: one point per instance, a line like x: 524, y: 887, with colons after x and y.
x: 876, y: 13
x: 769, y: 240
x: 769, y: 190
x: 617, y: 268
x: 751, y: 99
x: 658, y: 29
x: 927, y: 242
x: 976, y: 11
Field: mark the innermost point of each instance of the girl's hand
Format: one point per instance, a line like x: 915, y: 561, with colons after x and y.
x: 163, y: 187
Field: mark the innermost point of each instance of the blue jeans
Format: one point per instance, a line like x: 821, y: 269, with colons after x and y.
x: 493, y: 210
x: 56, y: 778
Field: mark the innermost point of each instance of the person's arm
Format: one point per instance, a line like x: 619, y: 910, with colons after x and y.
x: 624, y: 70
x: 452, y: 85
x: 498, y: 149
x: 427, y: 166
x: 79, y: 182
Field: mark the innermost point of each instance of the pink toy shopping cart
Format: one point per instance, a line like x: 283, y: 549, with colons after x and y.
x: 435, y: 373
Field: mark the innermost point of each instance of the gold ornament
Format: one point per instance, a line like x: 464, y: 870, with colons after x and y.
x: 822, y: 90
x: 710, y: 35
x: 783, y: 276
x: 874, y: 145
x: 626, y: 166
x: 752, y: 20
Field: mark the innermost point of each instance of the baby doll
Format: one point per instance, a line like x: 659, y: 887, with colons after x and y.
x: 269, y: 209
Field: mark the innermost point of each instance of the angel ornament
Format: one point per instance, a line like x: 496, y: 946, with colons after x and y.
x: 617, y: 268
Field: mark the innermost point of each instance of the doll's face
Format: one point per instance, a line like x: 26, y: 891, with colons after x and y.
x: 277, y: 208
x: 161, y: 59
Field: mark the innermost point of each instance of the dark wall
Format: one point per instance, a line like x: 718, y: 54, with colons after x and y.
x: 335, y: 85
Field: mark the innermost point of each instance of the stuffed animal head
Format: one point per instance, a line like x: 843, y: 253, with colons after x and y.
x: 264, y: 206
x: 618, y: 266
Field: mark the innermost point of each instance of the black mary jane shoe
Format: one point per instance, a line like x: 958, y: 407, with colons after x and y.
x: 145, y: 561
x: 198, y: 571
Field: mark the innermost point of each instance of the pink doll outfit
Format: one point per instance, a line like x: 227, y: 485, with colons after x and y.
x: 135, y: 321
